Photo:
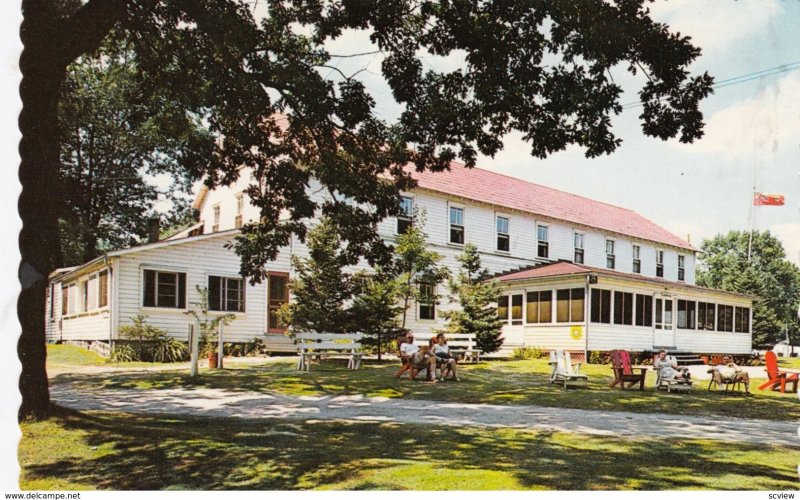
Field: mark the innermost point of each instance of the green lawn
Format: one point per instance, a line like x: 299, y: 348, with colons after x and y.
x: 495, y: 382
x: 92, y: 450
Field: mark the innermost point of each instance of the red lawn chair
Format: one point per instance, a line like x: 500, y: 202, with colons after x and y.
x: 624, y: 372
x: 776, y: 377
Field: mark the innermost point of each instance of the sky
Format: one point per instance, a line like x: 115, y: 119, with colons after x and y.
x: 698, y: 190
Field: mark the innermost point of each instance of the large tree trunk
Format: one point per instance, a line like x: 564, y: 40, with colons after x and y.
x: 42, y: 75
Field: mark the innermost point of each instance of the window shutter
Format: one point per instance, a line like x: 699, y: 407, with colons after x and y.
x: 182, y: 290
x: 149, y: 289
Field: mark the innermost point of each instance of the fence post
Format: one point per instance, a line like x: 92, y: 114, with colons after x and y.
x: 219, y: 347
x: 193, y: 349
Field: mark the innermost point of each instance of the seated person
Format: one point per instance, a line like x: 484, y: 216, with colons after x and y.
x: 420, y: 357
x: 729, y: 372
x: 442, y: 352
x: 669, y: 369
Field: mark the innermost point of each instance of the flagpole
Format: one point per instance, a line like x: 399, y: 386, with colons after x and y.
x: 752, y: 223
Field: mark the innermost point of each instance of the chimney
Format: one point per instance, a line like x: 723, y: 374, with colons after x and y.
x: 153, y: 229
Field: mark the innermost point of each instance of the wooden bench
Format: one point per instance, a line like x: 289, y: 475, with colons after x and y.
x: 462, y: 345
x: 317, y: 345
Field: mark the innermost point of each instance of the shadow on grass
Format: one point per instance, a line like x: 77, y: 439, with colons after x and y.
x: 153, y: 453
x: 496, y: 382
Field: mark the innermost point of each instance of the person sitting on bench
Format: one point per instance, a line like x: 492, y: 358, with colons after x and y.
x: 442, y: 352
x: 669, y: 369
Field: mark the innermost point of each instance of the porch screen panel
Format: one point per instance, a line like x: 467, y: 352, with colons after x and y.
x: 545, y: 306
x: 705, y: 316
x: 686, y: 314
x: 532, y: 308
x: 623, y: 308
x: 644, y: 310
x: 502, y: 308
x: 743, y: 320
x: 601, y: 306
x: 562, y: 306
x: 577, y: 305
x: 724, y: 318
x: 516, y: 309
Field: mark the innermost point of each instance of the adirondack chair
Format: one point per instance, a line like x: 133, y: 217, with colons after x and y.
x: 624, y: 372
x: 407, y: 364
x: 563, y: 370
x: 778, y: 378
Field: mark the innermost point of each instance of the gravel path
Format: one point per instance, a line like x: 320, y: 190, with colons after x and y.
x: 222, y: 403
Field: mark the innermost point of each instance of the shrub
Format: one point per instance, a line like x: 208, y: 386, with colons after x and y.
x: 599, y: 358
x: 169, y: 350
x: 122, y: 353
x: 144, y: 335
x: 528, y: 353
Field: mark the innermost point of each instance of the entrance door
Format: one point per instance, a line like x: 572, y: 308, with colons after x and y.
x: 278, y: 295
x: 664, y: 322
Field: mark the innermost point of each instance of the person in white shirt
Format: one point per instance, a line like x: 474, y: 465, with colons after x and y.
x: 669, y: 369
x: 442, y: 352
x: 728, y: 372
x: 420, y: 358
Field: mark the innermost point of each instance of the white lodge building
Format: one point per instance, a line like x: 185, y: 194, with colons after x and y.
x: 553, y: 251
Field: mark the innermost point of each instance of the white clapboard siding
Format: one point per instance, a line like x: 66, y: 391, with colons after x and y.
x: 51, y: 324
x: 198, y: 259
x: 86, y: 326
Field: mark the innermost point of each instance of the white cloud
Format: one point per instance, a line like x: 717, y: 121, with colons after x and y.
x: 789, y: 234
x: 716, y: 25
x: 756, y: 126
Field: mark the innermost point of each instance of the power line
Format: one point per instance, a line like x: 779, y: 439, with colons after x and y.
x: 783, y: 68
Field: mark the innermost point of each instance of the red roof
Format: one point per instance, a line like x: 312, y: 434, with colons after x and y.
x: 509, y: 192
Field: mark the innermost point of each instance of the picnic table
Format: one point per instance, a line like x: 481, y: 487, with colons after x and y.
x: 463, y: 346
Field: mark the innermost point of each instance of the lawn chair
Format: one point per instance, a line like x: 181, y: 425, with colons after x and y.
x: 407, y: 364
x: 624, y: 372
x: 563, y: 370
x: 672, y: 384
x: 731, y: 384
x: 778, y: 378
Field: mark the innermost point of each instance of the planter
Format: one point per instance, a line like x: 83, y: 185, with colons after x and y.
x: 212, y: 360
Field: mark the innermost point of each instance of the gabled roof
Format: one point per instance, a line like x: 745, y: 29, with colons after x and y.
x: 557, y: 269
x: 505, y: 191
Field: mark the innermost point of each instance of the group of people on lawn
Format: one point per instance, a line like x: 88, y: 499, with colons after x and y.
x: 725, y: 372
x: 428, y: 357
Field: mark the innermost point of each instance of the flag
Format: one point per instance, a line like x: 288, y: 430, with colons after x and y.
x: 767, y: 199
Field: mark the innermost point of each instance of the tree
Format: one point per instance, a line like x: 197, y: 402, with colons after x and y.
x: 477, y: 297
x: 415, y: 265
x: 766, y: 275
x: 274, y: 96
x: 321, y: 287
x: 377, y: 309
x: 113, y: 139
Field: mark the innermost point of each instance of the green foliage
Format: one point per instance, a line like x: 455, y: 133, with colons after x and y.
x: 114, y: 137
x: 123, y: 353
x: 376, y: 309
x: 767, y: 275
x: 599, y: 358
x: 169, y: 350
x: 208, y: 324
x: 477, y: 298
x: 143, y: 334
x: 415, y: 264
x: 528, y: 353
x: 320, y: 287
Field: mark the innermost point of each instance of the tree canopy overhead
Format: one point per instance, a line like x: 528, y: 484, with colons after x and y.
x: 213, y: 58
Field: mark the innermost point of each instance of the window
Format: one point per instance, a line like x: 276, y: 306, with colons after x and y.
x: 663, y: 314
x: 539, y: 307
x: 84, y: 296
x: 742, y: 320
x: 215, y: 226
x: 610, y: 258
x: 705, y: 316
x: 686, y: 314
x: 644, y: 310
x: 601, y: 306
x: 578, y: 244
x: 64, y: 300
x: 164, y: 289
x: 623, y: 308
x: 681, y: 267
x: 660, y: 263
x: 503, y: 239
x: 541, y: 235
x: 91, y: 293
x: 102, y: 295
x: 427, y: 301
x: 516, y: 309
x: 569, y: 305
x: 237, y: 221
x: 225, y: 294
x: 637, y: 261
x: 457, y: 225
x: 406, y: 216
x: 502, y: 308
x: 724, y: 318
